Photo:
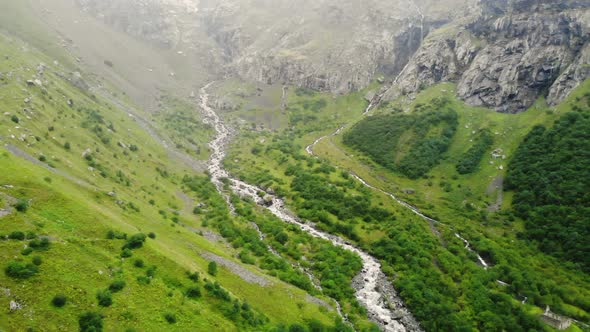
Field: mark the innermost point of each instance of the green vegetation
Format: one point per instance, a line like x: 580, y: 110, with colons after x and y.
x: 184, y: 126
x: 16, y: 235
x: 105, y: 298
x: 212, y: 268
x: 91, y: 322
x: 411, y: 144
x: 105, y: 182
x: 170, y: 317
x: 193, y: 292
x: 22, y: 205
x: 59, y: 300
x: 550, y: 174
x: 20, y: 270
x: 135, y: 241
x: 440, y: 281
x: 472, y: 158
x: 117, y: 286
x: 99, y: 171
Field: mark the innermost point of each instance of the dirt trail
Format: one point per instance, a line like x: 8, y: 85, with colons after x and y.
x: 238, y: 270
x: 22, y: 154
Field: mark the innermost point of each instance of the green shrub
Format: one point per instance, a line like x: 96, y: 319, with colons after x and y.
x: 117, y: 286
x: 194, y: 276
x: 143, y: 280
x: 471, y: 159
x: 111, y: 235
x: 90, y: 322
x: 134, y: 242
x: 212, y: 268
x: 151, y: 271
x: 37, y: 260
x: 27, y: 251
x: 170, y: 317
x: 297, y: 328
x: 22, y: 205
x: 14, y: 119
x: 42, y: 158
x: 42, y: 244
x: 152, y: 235
x: 67, y: 146
x: 138, y: 263
x: 105, y: 298
x: 126, y: 253
x: 59, y: 300
x: 282, y: 237
x: 217, y: 291
x: 16, y: 235
x: 193, y: 292
x: 20, y: 270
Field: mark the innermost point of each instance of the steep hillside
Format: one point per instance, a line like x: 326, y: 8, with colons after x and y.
x: 508, y: 56
x: 549, y: 175
x: 337, y: 46
x: 97, y: 226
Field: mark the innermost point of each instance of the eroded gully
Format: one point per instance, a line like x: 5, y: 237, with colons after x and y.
x: 373, y: 290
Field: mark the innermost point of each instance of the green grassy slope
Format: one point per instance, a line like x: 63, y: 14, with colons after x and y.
x: 85, y: 167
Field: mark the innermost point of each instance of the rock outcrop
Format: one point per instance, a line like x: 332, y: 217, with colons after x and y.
x: 330, y: 45
x: 503, y: 54
x: 508, y: 56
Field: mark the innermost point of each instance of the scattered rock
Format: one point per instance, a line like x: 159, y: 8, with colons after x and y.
x: 370, y: 95
x: 5, y: 291
x: 79, y: 82
x: 497, y: 153
x: 86, y: 152
x: 14, y: 306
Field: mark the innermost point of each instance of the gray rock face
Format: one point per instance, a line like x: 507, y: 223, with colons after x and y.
x: 503, y: 54
x: 328, y: 45
x: 152, y: 20
x: 573, y: 75
x: 507, y: 61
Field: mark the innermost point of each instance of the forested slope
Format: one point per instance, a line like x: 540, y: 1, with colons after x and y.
x: 550, y: 174
x: 409, y: 144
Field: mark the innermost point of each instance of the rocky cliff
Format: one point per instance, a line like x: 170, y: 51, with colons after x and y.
x: 502, y: 54
x: 329, y: 45
x: 507, y: 56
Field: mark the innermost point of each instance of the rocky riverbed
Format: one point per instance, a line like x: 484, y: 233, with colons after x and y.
x: 374, y: 291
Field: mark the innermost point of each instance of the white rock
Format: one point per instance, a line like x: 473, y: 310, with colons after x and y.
x: 14, y: 306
